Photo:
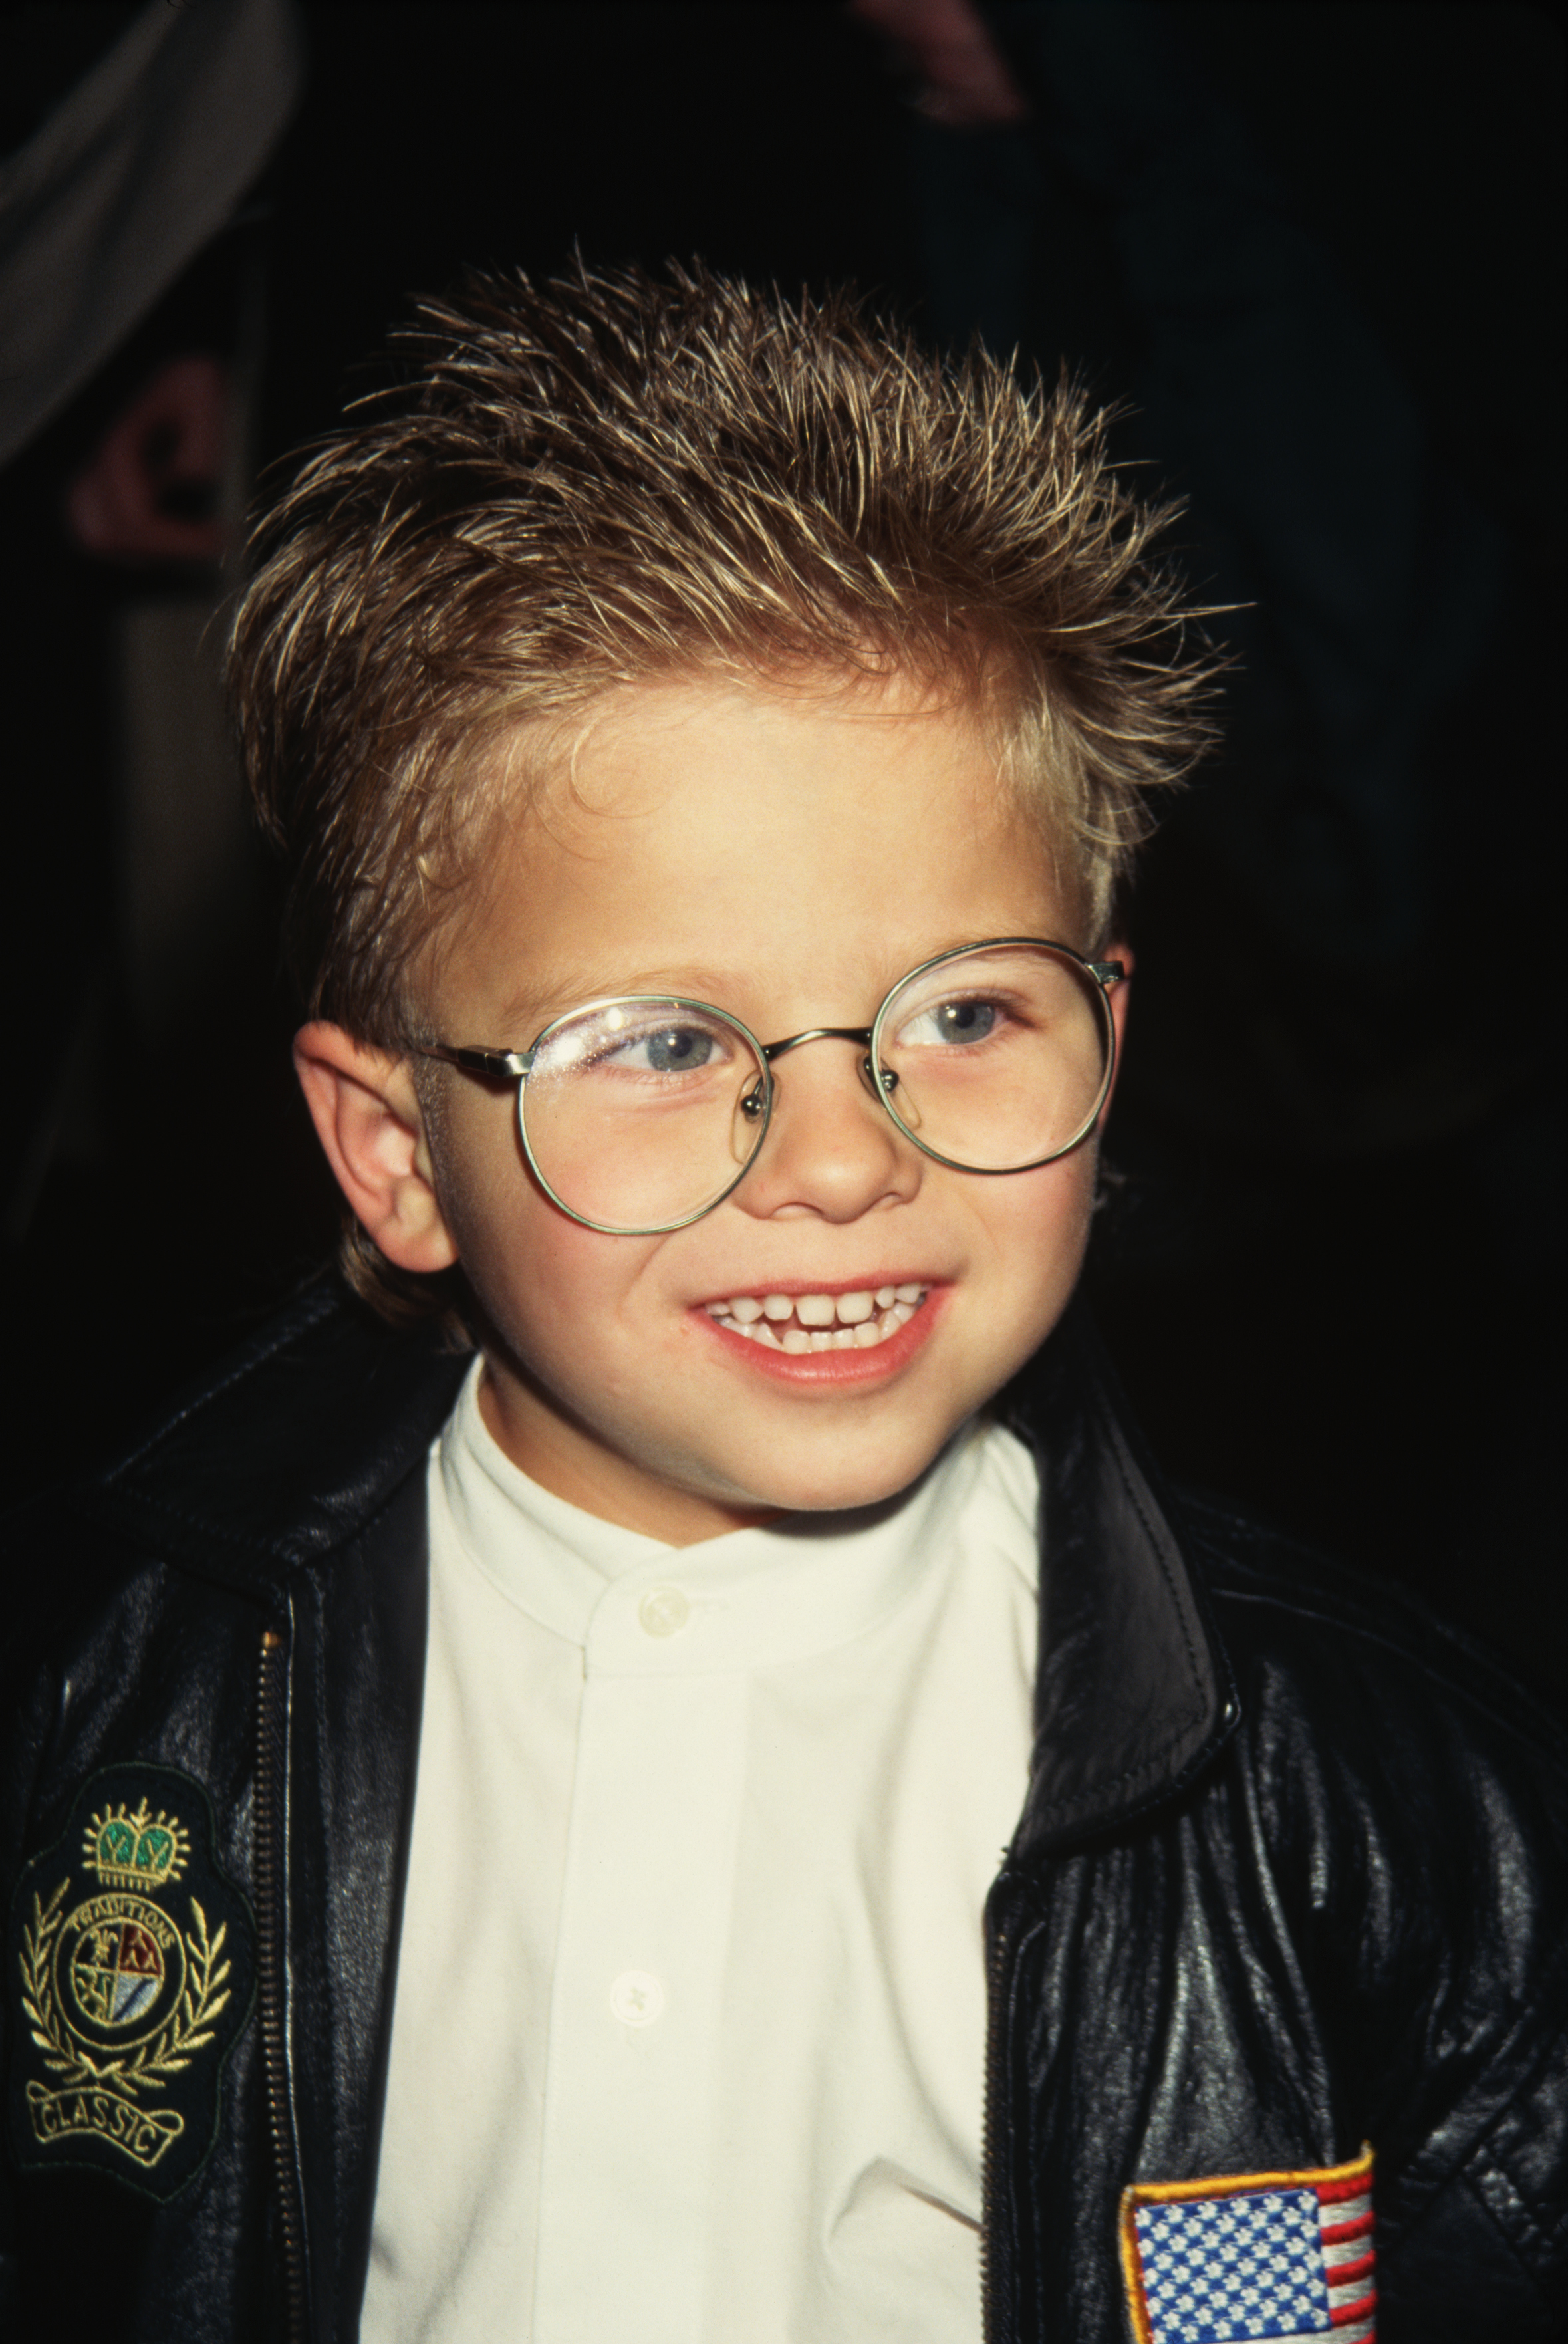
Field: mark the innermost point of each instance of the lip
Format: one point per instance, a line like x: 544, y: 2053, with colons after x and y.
x: 830, y: 1367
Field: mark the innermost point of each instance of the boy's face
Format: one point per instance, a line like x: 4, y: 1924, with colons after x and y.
x: 786, y: 856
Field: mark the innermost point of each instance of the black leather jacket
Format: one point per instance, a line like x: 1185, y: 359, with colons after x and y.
x: 1290, y: 1878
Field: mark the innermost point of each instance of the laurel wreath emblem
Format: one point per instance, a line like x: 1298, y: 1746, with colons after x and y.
x: 187, y: 2030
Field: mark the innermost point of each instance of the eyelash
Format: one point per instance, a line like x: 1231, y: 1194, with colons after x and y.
x: 1006, y: 1012
x: 627, y: 1044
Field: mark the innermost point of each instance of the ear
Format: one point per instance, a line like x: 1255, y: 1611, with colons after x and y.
x: 367, y: 1115
x: 1120, y: 1002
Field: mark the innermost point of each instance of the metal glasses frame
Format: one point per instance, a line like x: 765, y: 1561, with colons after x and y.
x: 516, y: 1065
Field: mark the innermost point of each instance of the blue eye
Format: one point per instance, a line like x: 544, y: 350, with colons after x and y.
x: 666, y: 1048
x: 675, y: 1049
x: 947, y: 1022
x: 965, y: 1021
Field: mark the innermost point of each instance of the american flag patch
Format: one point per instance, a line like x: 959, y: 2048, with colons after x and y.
x: 1250, y: 2257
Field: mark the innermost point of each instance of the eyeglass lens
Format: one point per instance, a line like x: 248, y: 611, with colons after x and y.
x: 636, y: 1112
x: 633, y: 1111
x: 1000, y: 1056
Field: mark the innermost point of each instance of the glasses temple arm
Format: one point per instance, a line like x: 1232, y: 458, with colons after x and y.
x: 497, y: 1065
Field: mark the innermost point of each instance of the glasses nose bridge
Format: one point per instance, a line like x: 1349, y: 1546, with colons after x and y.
x: 760, y: 1103
x: 858, y: 1033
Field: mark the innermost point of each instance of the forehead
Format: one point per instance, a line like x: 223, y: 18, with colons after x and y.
x: 705, y: 834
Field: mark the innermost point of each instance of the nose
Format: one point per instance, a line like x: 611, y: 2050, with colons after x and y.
x: 832, y: 1153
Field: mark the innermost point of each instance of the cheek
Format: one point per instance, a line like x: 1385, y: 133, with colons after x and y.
x: 1039, y: 1227
x: 550, y: 1284
x: 514, y: 1248
x: 560, y: 1295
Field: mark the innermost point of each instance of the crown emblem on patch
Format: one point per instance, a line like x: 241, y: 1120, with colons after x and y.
x: 142, y: 1850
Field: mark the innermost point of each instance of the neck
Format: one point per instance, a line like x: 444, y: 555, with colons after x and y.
x: 550, y: 1445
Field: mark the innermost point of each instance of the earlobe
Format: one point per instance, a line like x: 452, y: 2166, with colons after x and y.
x: 367, y: 1115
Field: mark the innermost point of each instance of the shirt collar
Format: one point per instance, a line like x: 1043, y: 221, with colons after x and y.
x: 748, y: 1598
x: 280, y: 1465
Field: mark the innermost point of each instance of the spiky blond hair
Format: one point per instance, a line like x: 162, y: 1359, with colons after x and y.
x: 616, y: 476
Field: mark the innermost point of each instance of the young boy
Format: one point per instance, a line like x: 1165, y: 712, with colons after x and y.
x: 661, y: 1781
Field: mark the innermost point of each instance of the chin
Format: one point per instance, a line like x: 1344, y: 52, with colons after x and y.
x: 847, y: 1488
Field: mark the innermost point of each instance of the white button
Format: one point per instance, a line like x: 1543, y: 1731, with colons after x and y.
x: 663, y: 1611
x: 636, y: 1999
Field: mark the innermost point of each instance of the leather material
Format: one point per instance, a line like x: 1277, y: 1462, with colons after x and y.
x: 357, y: 1668
x: 1133, y: 1691
x: 1352, y: 1928
x: 288, y: 1493
x: 1292, y: 1873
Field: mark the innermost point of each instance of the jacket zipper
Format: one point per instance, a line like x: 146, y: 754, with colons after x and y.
x: 991, y: 2127
x: 270, y: 1774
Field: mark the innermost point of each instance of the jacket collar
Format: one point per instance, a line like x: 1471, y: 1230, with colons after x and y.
x: 292, y: 1451
x: 304, y: 1441
x: 1135, y: 1693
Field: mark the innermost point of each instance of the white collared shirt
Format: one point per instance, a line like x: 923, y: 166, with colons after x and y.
x: 688, y: 2045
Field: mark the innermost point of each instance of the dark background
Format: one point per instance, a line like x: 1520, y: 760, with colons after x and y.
x: 1337, y: 1298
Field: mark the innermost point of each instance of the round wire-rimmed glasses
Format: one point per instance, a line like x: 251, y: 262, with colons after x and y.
x: 642, y: 1112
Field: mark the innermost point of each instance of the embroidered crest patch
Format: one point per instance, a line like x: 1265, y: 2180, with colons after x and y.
x: 1246, y: 2257
x: 133, y: 1961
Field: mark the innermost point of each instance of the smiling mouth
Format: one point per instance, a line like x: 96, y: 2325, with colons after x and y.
x: 798, y: 1323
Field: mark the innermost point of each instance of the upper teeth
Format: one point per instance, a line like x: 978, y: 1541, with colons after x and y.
x: 821, y: 1322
